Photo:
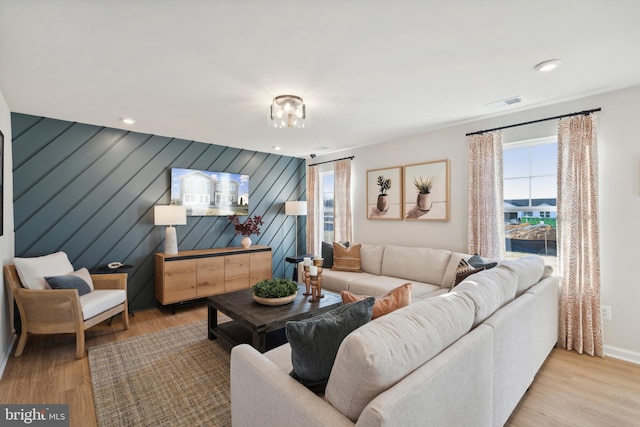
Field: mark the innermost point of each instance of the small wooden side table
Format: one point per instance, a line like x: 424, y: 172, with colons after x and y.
x: 295, y: 260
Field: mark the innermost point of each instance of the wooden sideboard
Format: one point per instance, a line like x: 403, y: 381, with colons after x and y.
x: 200, y: 273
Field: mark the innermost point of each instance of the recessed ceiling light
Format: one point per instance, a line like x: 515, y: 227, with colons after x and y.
x: 549, y: 65
x: 275, y: 147
x: 127, y: 121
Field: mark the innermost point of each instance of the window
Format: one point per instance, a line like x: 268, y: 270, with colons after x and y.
x: 530, y: 191
x: 326, y: 190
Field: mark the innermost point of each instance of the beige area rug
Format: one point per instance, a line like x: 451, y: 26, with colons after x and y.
x: 175, y: 377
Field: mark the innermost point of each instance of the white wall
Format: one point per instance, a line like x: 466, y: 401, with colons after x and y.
x: 619, y: 158
x: 7, y: 239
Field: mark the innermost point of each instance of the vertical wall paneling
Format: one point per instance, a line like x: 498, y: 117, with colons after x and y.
x: 90, y: 191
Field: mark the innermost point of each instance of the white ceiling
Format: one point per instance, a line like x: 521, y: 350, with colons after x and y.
x: 368, y: 70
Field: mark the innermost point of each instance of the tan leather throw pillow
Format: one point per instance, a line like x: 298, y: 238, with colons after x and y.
x: 393, y: 300
x: 346, y: 259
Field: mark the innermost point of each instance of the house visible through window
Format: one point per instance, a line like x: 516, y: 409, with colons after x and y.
x: 530, y: 191
x: 327, y: 192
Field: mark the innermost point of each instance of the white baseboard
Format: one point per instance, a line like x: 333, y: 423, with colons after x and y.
x: 6, y: 355
x: 622, y: 354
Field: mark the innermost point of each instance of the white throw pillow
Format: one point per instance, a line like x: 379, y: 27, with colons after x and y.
x: 32, y: 271
x: 84, y: 274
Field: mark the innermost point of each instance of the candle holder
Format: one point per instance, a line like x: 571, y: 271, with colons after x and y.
x: 316, y: 282
x: 307, y: 280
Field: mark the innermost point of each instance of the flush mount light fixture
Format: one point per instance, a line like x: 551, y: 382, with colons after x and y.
x: 287, y: 111
x: 127, y: 121
x: 549, y: 65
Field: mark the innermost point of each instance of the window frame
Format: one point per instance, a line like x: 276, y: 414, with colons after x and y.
x: 527, y: 144
x: 321, y: 204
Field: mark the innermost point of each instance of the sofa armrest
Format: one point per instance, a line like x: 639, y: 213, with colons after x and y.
x: 110, y: 281
x: 264, y: 395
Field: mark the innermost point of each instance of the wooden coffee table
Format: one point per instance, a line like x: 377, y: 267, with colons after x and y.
x: 262, y: 325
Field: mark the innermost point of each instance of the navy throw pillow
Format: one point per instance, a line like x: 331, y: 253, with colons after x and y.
x: 477, y: 262
x: 68, y: 282
x: 315, y: 341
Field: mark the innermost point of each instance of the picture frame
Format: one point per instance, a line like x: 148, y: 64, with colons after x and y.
x: 431, y: 201
x: 384, y: 193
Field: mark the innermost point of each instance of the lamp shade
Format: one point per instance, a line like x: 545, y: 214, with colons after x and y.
x: 169, y: 215
x: 295, y: 207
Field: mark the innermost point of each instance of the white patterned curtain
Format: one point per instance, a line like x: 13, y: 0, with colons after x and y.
x: 486, y: 204
x: 313, y: 215
x: 579, y: 236
x: 342, y: 201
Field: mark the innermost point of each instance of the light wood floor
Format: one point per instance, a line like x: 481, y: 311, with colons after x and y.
x: 570, y: 390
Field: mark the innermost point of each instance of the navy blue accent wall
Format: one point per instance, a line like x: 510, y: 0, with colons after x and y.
x: 89, y: 191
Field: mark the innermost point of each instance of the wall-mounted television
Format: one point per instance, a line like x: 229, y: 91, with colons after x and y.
x: 206, y: 193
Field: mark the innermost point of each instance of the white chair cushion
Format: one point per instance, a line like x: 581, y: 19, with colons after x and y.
x: 101, y: 300
x: 32, y: 271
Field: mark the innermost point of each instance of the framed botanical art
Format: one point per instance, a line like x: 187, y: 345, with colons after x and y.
x: 426, y: 191
x: 384, y: 193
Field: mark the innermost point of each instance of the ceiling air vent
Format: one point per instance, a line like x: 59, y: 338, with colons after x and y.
x: 505, y: 102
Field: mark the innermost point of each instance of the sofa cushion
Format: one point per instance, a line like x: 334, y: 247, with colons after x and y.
x: 379, y: 354
x: 68, y: 281
x: 417, y: 264
x: 489, y: 290
x: 340, y: 280
x: 346, y: 258
x: 393, y: 300
x: 314, y: 342
x: 371, y: 258
x: 377, y: 286
x: 528, y: 269
x: 462, y: 275
x: 101, y: 300
x: 32, y: 271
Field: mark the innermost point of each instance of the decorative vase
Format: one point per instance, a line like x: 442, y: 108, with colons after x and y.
x: 424, y: 202
x: 245, y: 242
x: 383, y: 203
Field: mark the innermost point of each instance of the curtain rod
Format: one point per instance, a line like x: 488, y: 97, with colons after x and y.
x: 331, y: 161
x: 585, y: 112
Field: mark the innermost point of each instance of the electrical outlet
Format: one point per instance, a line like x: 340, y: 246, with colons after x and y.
x: 606, y: 312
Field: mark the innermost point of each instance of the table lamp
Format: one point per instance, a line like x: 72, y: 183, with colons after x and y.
x: 170, y: 215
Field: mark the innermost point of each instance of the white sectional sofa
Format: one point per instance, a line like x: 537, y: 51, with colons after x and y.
x: 460, y: 358
x: 385, y: 267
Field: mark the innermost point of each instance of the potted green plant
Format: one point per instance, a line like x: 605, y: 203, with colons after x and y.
x: 275, y: 291
x: 424, y: 186
x: 385, y: 185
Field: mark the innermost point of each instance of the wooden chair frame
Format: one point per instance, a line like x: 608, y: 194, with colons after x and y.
x: 58, y: 311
